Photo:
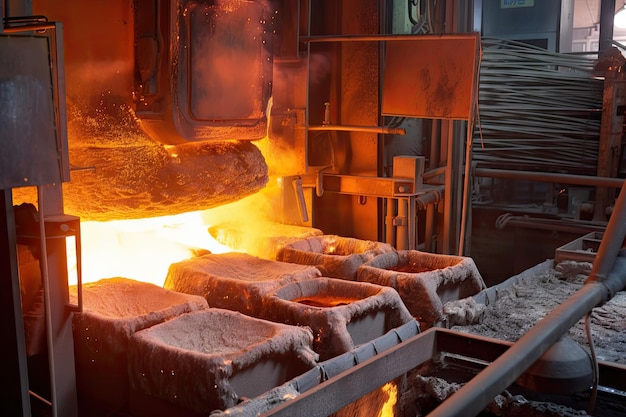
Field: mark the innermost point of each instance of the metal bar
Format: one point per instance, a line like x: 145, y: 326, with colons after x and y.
x: 549, y: 224
x: 435, y: 135
x: 447, y: 141
x: 366, y: 186
x: 610, y: 139
x: 390, y: 230
x: 432, y: 196
x: 402, y: 225
x: 60, y: 100
x: 608, y: 276
x: 429, y: 228
x: 458, y: 184
x: 466, y: 202
x: 434, y: 173
x: 45, y: 280
x: 60, y: 342
x: 549, y: 177
x: 26, y: 28
x: 354, y: 128
x: 370, y: 38
x: 412, y: 223
x: 607, y: 12
x: 348, y: 386
x: 14, y: 394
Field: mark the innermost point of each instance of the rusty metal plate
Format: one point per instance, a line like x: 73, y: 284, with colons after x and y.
x: 214, y: 80
x: 28, y: 139
x: 431, y: 76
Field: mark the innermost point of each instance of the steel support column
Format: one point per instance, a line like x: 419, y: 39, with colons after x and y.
x: 14, y: 394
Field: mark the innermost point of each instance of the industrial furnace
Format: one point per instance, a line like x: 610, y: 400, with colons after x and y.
x: 329, y: 151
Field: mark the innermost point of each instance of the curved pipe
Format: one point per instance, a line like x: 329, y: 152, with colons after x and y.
x: 546, y: 224
x: 410, y: 4
x: 434, y: 173
x: 608, y: 276
x: 431, y: 197
x: 570, y: 179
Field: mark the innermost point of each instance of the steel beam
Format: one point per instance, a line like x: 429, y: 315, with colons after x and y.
x: 367, y: 186
x: 14, y: 394
x: 344, y: 388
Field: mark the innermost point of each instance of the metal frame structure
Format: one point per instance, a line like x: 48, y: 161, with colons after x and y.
x: 506, y: 361
x: 53, y: 261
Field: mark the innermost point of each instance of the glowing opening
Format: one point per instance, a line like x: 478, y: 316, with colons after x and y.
x: 391, y: 389
x: 620, y: 18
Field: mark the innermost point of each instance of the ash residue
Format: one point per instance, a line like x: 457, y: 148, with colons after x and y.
x: 521, y: 305
x: 433, y: 391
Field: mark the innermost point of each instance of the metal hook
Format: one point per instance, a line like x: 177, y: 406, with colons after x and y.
x: 410, y: 10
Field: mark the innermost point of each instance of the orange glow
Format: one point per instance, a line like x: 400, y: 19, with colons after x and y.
x: 143, y: 249
x: 392, y: 391
x: 325, y: 300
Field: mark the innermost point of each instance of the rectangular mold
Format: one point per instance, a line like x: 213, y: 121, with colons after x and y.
x: 425, y: 281
x: 234, y: 281
x: 583, y: 249
x: 209, y: 360
x: 113, y: 310
x: 342, y: 314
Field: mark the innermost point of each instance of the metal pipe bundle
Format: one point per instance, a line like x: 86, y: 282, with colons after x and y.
x: 537, y: 109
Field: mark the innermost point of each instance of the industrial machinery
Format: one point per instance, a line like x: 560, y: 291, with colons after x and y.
x: 370, y: 120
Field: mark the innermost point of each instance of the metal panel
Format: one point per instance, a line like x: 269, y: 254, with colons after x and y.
x: 214, y: 80
x: 367, y: 186
x: 28, y: 152
x: 431, y: 76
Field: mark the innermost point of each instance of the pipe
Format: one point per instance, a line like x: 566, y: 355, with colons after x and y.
x: 402, y: 224
x: 547, y: 224
x: 431, y: 197
x: 300, y: 200
x: 550, y: 177
x: 607, y: 13
x: 38, y: 27
x: 429, y: 228
x: 375, y: 38
x: 449, y: 175
x: 434, y: 173
x: 367, y: 129
x: 428, y: 202
x: 390, y: 231
x: 607, y: 277
x: 434, y: 146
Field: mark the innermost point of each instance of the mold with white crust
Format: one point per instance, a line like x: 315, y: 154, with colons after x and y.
x: 234, y: 281
x: 342, y: 314
x: 211, y: 360
x: 334, y: 256
x: 113, y: 310
x: 425, y: 281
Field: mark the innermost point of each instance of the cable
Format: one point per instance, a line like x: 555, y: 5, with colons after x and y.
x: 596, y: 371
